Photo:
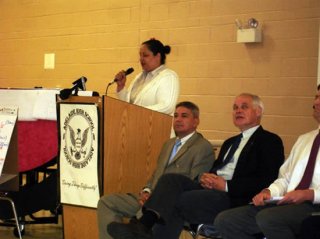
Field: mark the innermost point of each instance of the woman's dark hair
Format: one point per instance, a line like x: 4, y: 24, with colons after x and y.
x: 156, y: 47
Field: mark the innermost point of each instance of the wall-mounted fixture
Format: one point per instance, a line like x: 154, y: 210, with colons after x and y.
x: 49, y: 60
x: 249, y: 33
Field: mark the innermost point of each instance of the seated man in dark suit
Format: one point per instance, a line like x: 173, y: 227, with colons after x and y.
x: 246, y: 164
x: 297, y: 189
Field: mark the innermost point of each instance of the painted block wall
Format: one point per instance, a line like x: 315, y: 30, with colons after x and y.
x: 97, y: 38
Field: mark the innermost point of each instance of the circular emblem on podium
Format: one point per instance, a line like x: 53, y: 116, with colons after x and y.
x: 78, y: 136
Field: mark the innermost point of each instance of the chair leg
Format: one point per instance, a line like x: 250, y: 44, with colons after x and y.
x: 207, y: 231
x: 198, y: 231
x: 190, y: 231
x: 14, y: 213
x: 191, y: 234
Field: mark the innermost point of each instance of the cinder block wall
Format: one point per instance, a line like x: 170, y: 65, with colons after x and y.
x: 96, y: 38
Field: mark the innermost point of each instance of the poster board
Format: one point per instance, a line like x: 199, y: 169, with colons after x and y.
x: 8, y: 148
x: 79, y: 140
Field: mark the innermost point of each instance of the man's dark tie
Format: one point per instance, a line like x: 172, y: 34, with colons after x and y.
x: 230, y: 154
x: 308, y: 172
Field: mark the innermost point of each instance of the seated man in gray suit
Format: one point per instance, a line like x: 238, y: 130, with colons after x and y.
x: 188, y: 154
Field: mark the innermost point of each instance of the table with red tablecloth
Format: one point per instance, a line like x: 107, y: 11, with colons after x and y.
x: 37, y: 143
x: 37, y: 125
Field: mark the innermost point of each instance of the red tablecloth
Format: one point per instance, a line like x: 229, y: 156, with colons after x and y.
x: 37, y: 143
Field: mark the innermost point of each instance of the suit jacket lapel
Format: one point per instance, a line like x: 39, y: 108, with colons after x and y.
x: 244, y: 151
x: 167, y: 154
x: 222, y: 153
x: 249, y: 144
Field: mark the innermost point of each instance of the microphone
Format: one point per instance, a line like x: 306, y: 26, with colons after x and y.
x: 127, y: 72
x: 78, y: 84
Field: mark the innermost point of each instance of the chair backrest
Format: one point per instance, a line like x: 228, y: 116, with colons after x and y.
x: 216, y: 144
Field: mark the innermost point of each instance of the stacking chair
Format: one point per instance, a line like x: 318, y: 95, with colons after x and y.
x: 3, y: 197
x: 30, y: 178
x: 33, y: 177
x: 9, y: 182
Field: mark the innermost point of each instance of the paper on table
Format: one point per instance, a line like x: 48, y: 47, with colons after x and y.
x: 273, y: 200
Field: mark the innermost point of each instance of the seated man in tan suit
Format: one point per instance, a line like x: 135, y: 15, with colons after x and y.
x: 189, y: 154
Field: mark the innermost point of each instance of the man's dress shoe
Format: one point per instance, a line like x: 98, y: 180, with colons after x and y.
x: 133, y: 230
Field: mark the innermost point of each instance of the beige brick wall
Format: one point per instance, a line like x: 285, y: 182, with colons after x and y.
x: 96, y: 38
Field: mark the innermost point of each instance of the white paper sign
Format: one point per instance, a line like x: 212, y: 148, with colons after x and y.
x: 79, y: 154
x: 8, y: 118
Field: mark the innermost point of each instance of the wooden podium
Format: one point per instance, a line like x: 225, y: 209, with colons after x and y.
x: 131, y: 138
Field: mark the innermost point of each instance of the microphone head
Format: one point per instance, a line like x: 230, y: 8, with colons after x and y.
x: 129, y: 71
x: 81, y: 83
x: 65, y: 93
x: 78, y: 84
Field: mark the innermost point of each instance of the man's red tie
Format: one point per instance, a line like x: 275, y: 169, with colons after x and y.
x: 308, y: 173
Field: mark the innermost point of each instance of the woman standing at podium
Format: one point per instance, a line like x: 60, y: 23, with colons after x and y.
x: 156, y: 87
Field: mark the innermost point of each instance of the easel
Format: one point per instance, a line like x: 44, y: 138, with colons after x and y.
x: 9, y: 178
